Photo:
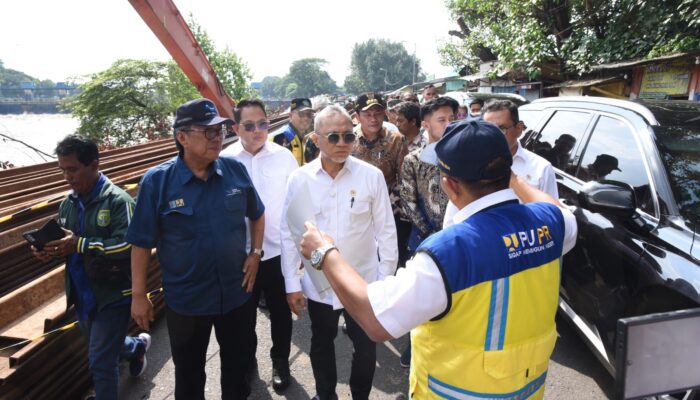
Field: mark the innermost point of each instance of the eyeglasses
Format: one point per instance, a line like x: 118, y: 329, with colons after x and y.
x: 505, y: 129
x: 210, y: 133
x: 334, y: 137
x: 261, y: 125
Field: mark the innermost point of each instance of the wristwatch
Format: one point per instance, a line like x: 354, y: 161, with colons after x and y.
x: 259, y: 252
x: 319, y: 254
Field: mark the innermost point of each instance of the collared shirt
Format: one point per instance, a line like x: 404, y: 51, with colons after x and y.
x: 269, y: 169
x: 422, y: 200
x: 417, y: 293
x: 417, y: 142
x: 198, y: 228
x: 354, y: 209
x: 534, y: 169
x: 385, y: 152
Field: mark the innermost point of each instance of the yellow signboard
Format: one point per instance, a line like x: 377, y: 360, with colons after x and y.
x: 667, y: 79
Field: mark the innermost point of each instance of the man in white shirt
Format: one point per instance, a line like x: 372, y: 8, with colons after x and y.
x: 479, y: 303
x: 269, y: 166
x: 351, y: 202
x: 530, y: 167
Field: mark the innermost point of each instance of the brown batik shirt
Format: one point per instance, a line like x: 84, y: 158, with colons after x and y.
x: 422, y: 200
x: 385, y: 152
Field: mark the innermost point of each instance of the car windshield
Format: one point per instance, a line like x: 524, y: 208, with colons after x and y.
x: 680, y: 150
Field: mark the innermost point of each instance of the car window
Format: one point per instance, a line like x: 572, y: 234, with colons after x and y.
x: 612, y: 154
x: 530, y: 117
x: 558, y: 139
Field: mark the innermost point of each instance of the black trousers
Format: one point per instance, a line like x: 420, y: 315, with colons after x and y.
x: 324, y: 329
x: 403, y: 231
x: 270, y: 281
x: 189, y: 339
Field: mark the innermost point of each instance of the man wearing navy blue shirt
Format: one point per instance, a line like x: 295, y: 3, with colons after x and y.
x: 192, y: 209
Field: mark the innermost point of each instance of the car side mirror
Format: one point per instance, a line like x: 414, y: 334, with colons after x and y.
x: 608, y: 197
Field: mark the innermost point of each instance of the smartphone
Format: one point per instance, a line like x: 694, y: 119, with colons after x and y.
x: 39, y: 237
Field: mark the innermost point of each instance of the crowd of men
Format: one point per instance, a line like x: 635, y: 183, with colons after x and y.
x: 418, y: 220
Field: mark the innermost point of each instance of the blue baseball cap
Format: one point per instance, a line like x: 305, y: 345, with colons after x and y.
x: 199, y: 112
x: 468, y: 147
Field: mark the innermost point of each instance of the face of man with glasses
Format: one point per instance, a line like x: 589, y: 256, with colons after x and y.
x: 202, y: 143
x: 252, y: 129
x: 503, y: 120
x: 335, y: 138
x: 302, y: 120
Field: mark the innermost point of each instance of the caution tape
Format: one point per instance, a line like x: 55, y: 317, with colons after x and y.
x: 45, y: 203
x: 71, y: 325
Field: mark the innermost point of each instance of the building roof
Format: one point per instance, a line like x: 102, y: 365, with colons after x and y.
x: 584, y: 82
x: 644, y: 61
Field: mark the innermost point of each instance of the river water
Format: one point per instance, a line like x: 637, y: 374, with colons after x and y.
x: 41, y: 131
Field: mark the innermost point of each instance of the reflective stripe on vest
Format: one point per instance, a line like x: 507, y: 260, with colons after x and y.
x: 452, y: 392
x: 498, y: 312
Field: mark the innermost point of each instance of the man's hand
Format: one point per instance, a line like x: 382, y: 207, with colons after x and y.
x: 313, y: 239
x: 250, y: 271
x: 142, y: 311
x: 62, y: 247
x: 42, y: 255
x: 296, y: 302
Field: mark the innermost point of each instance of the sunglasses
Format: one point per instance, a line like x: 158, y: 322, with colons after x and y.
x: 334, y: 137
x: 250, y: 126
x: 210, y: 133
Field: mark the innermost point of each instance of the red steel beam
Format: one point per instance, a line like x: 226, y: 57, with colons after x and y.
x: 164, y: 19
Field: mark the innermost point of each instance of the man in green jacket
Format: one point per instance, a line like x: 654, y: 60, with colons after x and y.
x: 95, y: 217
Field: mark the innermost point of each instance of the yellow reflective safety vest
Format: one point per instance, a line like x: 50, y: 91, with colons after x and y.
x: 501, y: 268
x: 288, y: 138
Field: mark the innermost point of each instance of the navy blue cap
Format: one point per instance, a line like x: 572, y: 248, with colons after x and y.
x: 198, y: 112
x: 468, y: 147
x: 367, y: 100
x: 300, y: 104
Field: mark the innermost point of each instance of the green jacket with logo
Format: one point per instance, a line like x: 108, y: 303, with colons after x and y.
x: 107, y: 256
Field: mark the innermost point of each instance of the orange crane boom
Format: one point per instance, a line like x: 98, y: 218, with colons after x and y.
x: 165, y: 20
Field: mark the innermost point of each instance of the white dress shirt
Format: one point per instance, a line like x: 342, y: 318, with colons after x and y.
x: 530, y: 167
x: 269, y: 170
x: 354, y: 209
x: 417, y: 293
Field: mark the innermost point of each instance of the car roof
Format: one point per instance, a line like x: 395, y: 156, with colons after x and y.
x: 464, y: 97
x: 592, y: 102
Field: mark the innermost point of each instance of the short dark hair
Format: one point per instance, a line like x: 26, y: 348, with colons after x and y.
x: 484, y: 187
x: 476, y: 101
x: 428, y: 86
x: 410, y: 111
x: 84, y: 149
x: 247, y: 103
x: 500, y: 105
x: 436, y: 104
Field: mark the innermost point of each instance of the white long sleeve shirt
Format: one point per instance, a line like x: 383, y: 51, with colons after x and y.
x: 354, y: 209
x: 534, y: 169
x: 269, y: 169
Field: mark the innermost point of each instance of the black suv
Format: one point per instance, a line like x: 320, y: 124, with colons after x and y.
x: 630, y: 171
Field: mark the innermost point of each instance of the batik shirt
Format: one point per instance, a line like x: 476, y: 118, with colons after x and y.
x: 422, y: 200
x: 385, y: 152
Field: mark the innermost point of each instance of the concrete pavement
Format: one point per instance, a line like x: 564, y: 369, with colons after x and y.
x: 574, y: 372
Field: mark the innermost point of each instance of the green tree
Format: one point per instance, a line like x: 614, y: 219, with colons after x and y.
x: 233, y: 73
x: 306, y: 78
x: 128, y: 102
x: 12, y: 78
x: 379, y: 65
x: 573, y: 34
x: 270, y: 85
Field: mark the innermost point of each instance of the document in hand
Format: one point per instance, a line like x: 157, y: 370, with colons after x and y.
x: 301, y: 210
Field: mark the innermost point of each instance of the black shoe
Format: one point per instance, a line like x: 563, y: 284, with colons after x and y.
x: 281, y: 378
